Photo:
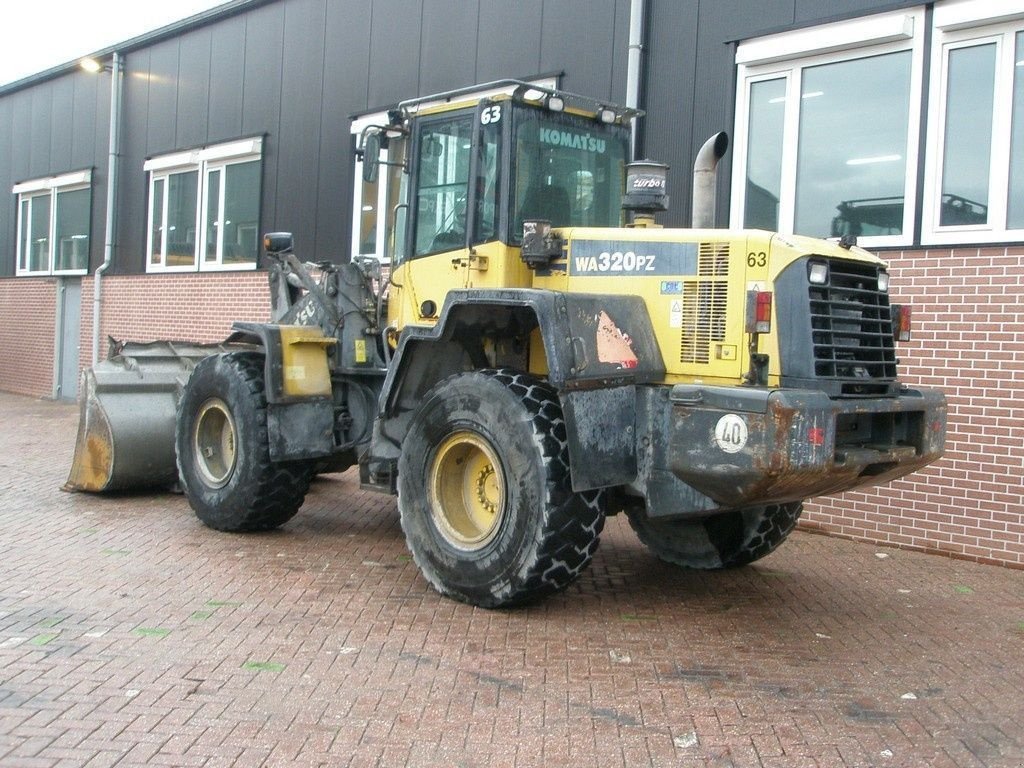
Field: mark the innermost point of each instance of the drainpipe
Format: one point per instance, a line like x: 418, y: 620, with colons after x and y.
x: 116, y: 68
x: 637, y: 10
x: 705, y: 169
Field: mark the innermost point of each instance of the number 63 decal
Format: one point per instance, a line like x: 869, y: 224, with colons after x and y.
x: 490, y: 115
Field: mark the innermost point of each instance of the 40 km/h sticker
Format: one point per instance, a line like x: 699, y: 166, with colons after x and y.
x: 731, y: 433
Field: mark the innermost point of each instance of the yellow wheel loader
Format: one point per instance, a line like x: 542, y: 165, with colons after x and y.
x: 534, y: 354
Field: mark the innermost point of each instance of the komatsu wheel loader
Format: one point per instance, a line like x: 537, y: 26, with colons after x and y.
x: 533, y: 355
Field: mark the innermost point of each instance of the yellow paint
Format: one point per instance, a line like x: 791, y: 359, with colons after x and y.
x: 304, y: 361
x: 359, y: 351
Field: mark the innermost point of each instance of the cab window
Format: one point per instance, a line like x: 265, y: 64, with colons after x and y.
x: 442, y: 185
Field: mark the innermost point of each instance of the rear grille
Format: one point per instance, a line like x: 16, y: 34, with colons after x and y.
x: 851, y: 328
x: 704, y: 303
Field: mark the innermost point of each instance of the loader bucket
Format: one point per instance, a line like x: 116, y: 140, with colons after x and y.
x: 128, y: 405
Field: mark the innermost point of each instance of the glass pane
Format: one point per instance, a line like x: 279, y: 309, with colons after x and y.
x: 397, y: 201
x: 212, y: 219
x: 968, y: 135
x: 852, y: 151
x: 487, y: 184
x: 156, y: 222
x: 568, y: 169
x: 368, y: 215
x: 73, y: 229
x: 181, y: 218
x: 764, y: 154
x: 39, y: 247
x: 1015, y: 204
x: 241, y: 212
x: 26, y: 234
x: 443, y: 186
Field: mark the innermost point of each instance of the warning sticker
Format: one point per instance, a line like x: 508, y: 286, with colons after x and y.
x: 675, y: 314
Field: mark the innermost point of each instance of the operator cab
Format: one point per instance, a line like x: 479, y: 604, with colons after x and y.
x: 471, y: 175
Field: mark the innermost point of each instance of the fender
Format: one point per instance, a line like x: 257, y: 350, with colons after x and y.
x: 598, y: 348
x: 300, y: 405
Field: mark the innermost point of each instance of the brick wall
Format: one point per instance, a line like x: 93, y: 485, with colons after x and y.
x: 968, y: 340
x: 188, y: 306
x: 28, y: 319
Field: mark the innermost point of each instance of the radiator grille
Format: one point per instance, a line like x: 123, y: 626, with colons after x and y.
x: 851, y: 326
x: 704, y: 304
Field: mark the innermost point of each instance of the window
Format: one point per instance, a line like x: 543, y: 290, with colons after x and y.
x: 827, y: 130
x: 442, y: 186
x: 204, y: 208
x: 974, y: 179
x: 53, y: 225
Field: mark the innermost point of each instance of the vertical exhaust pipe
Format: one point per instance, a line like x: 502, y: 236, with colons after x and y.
x: 704, y: 180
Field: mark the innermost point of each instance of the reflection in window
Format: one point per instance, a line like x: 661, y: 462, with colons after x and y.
x: 180, y: 224
x: 968, y: 135
x: 156, y: 221
x: 39, y: 237
x: 213, y: 241
x: 72, y: 230
x: 240, y: 214
x: 767, y: 112
x: 854, y: 120
x: 1015, y: 204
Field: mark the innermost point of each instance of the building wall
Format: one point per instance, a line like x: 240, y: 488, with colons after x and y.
x: 28, y: 311
x: 968, y: 341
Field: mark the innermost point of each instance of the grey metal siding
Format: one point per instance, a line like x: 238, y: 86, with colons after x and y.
x: 293, y: 71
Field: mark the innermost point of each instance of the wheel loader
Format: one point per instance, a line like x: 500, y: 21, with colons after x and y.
x: 533, y: 354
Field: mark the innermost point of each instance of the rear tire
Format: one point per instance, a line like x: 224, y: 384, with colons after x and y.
x: 726, y: 540
x: 223, y: 451
x: 484, y: 491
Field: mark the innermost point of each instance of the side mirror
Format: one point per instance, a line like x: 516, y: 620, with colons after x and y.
x: 278, y: 242
x: 371, y: 156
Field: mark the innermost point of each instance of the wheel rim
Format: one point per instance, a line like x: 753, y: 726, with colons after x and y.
x: 467, y: 491
x: 214, y: 442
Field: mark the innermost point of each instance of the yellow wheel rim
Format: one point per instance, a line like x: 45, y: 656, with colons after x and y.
x: 213, y: 442
x: 467, y: 491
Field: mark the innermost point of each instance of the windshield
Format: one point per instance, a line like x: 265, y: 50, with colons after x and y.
x: 567, y: 169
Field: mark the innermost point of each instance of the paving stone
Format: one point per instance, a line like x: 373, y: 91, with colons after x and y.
x: 320, y: 644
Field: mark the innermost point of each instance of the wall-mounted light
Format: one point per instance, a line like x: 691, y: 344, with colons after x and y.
x: 91, y: 65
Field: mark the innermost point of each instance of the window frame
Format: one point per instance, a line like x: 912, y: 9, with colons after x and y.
x: 786, y: 56
x: 958, y: 26
x: 49, y: 187
x: 202, y: 161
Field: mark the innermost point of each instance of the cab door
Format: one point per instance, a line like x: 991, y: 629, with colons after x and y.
x: 436, y: 244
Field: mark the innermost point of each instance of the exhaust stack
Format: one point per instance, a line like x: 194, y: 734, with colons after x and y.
x: 704, y: 180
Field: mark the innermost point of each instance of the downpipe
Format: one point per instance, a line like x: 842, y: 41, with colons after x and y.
x: 705, y: 176
x: 116, y: 68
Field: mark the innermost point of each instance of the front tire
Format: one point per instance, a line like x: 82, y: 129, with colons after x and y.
x: 223, y: 450
x: 725, y: 540
x: 484, y: 491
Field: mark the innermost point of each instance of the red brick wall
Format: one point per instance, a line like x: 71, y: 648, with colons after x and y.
x: 28, y: 321
x: 187, y: 306
x: 968, y: 340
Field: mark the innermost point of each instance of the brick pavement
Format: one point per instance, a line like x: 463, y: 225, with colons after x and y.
x: 132, y: 635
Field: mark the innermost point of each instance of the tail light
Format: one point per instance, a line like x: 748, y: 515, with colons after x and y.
x: 759, y: 311
x: 901, y: 322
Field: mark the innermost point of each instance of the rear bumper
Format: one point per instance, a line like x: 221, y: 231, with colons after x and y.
x: 738, y: 447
